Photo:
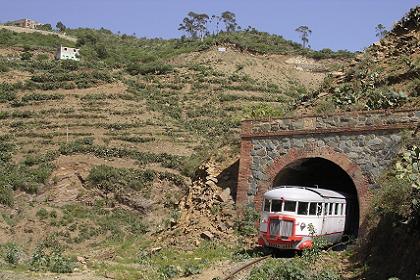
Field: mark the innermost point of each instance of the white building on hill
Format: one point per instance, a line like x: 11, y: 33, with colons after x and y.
x: 67, y: 53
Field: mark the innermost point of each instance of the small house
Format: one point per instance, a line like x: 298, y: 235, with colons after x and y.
x: 24, y: 23
x: 64, y: 53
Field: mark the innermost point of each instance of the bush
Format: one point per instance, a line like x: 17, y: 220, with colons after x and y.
x: 46, y: 258
x: 247, y: 225
x: 11, y: 254
x: 26, y: 56
x: 292, y: 269
x: 6, y: 195
x: 42, y: 97
x: 7, y: 92
x: 60, y: 264
x: 109, y: 179
x: 156, y: 68
x: 378, y: 99
x: 42, y: 214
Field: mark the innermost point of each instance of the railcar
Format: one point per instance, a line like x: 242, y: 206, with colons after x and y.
x: 292, y: 215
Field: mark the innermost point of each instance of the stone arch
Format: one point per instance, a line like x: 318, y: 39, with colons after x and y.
x: 340, y: 159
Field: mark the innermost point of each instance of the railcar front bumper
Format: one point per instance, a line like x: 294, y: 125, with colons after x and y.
x: 291, y: 242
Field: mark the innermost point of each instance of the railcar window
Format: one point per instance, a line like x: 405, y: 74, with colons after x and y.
x: 276, y: 205
x: 267, y: 205
x: 290, y: 206
x: 330, y: 210
x: 302, y: 208
x: 319, y: 209
x: 344, y: 209
x: 326, y: 205
x: 336, y: 208
x: 312, y: 208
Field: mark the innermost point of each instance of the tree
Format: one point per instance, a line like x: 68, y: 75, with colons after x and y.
x: 229, y: 19
x: 217, y: 20
x: 46, y: 27
x: 195, y: 25
x: 304, y: 34
x: 60, y: 26
x: 380, y: 31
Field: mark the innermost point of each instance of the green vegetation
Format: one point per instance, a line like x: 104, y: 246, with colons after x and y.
x: 11, y: 253
x: 10, y: 38
x: 394, y: 212
x: 246, y: 225
x: 168, y: 262
x: 48, y: 256
x: 85, y: 146
x: 294, y: 269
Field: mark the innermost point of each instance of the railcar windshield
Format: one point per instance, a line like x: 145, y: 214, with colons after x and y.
x: 289, y: 206
x: 276, y: 205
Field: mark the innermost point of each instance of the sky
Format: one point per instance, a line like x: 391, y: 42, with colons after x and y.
x: 335, y: 24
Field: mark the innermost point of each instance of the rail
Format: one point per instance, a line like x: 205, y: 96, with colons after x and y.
x: 245, y: 266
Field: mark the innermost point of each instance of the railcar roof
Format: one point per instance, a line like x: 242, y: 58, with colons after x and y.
x: 301, y: 193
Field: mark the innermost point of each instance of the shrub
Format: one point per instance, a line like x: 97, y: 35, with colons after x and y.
x: 6, y: 195
x: 109, y: 179
x: 26, y: 56
x: 70, y: 65
x: 292, y: 269
x: 6, y: 149
x: 7, y: 92
x: 247, y: 225
x: 378, y: 99
x: 42, y: 97
x: 46, y: 258
x: 156, y: 68
x: 4, y: 67
x: 11, y: 254
x: 60, y: 264
x: 42, y: 213
x: 345, y: 95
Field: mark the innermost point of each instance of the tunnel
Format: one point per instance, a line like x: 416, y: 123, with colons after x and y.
x: 323, y: 173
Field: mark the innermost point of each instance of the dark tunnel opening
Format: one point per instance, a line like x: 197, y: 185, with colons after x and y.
x: 322, y: 173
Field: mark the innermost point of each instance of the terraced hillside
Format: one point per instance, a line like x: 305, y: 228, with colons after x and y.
x: 97, y: 155
x: 102, y: 160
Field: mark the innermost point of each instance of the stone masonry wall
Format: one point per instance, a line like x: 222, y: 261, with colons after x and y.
x: 363, y: 144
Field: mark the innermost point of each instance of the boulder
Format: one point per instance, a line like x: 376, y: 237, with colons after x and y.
x: 207, y: 235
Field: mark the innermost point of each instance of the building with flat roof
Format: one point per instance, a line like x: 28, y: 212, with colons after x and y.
x: 25, y: 23
x: 67, y: 53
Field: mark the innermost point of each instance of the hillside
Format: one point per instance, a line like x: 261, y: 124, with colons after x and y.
x: 386, y: 75
x: 123, y: 165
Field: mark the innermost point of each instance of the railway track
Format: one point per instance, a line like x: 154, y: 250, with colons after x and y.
x: 242, y: 271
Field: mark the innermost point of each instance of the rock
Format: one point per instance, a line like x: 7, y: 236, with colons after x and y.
x: 222, y: 227
x: 212, y: 178
x: 337, y: 74
x: 211, y: 184
x: 81, y: 259
x: 224, y: 196
x: 155, y: 250
x: 134, y: 201
x: 207, y: 235
x: 322, y: 94
x: 172, y: 222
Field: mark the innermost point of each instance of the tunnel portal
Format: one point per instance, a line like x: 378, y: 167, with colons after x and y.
x: 322, y: 173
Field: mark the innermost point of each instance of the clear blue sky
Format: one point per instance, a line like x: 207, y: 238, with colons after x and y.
x: 336, y: 24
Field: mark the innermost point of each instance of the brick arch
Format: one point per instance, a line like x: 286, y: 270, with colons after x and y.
x: 340, y: 159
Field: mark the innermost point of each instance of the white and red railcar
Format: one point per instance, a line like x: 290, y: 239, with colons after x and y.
x: 288, y: 212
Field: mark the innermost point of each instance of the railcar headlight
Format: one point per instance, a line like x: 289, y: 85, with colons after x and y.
x: 302, y: 226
